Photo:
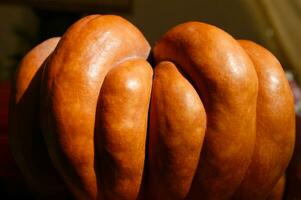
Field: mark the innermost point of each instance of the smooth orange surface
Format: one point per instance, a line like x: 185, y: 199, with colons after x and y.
x: 224, y: 77
x: 70, y: 89
x: 120, y: 136
x: 177, y: 129
x: 275, y: 126
x: 214, y: 121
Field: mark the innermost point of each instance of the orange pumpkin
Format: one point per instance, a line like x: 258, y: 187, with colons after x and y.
x: 89, y: 115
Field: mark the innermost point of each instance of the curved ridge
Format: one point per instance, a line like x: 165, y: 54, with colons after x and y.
x: 225, y: 78
x: 71, y: 85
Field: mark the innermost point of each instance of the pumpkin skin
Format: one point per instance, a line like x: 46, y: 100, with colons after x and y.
x: 85, y: 54
x: 225, y: 79
x: 121, y: 127
x: 25, y: 136
x: 191, y: 131
x: 275, y: 133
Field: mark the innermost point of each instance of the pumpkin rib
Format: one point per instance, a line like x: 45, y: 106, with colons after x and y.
x: 177, y: 129
x: 275, y: 129
x: 226, y: 80
x: 25, y: 137
x: 73, y: 79
x: 121, y: 128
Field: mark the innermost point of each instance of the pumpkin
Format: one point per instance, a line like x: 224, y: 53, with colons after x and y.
x: 214, y: 119
x: 25, y: 136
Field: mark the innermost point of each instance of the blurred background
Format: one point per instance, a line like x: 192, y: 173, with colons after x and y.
x: 275, y: 24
